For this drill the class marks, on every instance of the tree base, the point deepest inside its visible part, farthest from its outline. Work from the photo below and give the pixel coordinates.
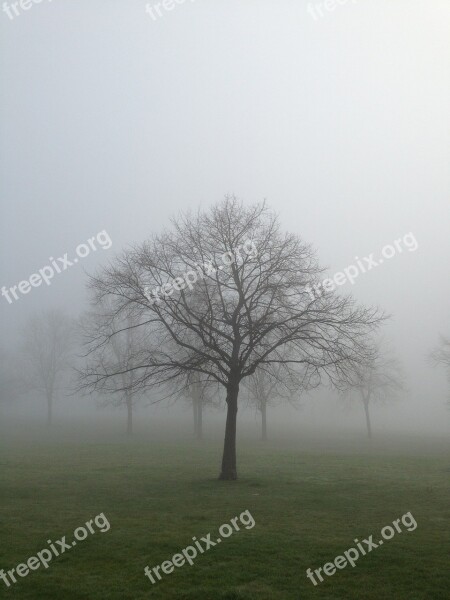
(228, 476)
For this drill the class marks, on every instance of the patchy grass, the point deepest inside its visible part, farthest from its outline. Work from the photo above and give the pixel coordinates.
(308, 509)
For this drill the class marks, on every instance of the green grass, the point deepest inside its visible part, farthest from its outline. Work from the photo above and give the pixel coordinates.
(308, 509)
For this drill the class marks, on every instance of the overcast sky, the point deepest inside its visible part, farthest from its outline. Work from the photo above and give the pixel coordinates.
(114, 120)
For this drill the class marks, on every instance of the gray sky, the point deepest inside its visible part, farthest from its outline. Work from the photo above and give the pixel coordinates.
(112, 120)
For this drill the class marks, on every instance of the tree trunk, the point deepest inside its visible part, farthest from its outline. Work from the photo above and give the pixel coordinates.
(369, 427)
(129, 417)
(197, 403)
(229, 471)
(195, 407)
(49, 409)
(264, 421)
(200, 420)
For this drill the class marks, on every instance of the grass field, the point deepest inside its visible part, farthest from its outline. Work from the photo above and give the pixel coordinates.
(308, 507)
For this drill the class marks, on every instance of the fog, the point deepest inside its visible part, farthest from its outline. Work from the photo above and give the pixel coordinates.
(115, 121)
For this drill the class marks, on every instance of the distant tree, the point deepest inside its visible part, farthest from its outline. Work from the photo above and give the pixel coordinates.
(379, 379)
(268, 386)
(46, 355)
(440, 356)
(252, 299)
(200, 393)
(118, 352)
(199, 390)
(9, 378)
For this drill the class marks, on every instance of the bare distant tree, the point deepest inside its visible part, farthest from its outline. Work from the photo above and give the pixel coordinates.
(267, 386)
(47, 350)
(440, 356)
(201, 394)
(378, 380)
(231, 292)
(118, 354)
(9, 378)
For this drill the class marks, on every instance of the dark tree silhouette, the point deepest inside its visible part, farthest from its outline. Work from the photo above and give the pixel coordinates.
(231, 293)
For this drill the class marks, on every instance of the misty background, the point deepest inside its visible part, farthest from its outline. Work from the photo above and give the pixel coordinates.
(114, 121)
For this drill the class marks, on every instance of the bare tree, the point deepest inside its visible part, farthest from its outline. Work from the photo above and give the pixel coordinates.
(232, 291)
(379, 379)
(200, 393)
(440, 356)
(47, 350)
(118, 354)
(9, 378)
(267, 386)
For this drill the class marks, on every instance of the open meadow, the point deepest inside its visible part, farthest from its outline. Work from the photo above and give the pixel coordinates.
(307, 505)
